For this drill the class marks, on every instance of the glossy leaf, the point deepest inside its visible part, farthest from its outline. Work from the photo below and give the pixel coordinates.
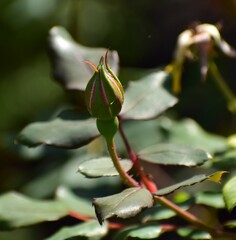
(74, 203)
(17, 210)
(229, 193)
(88, 230)
(174, 154)
(102, 167)
(148, 97)
(189, 182)
(144, 231)
(59, 132)
(68, 59)
(123, 205)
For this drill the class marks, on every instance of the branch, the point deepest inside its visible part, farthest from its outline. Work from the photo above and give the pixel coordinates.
(126, 178)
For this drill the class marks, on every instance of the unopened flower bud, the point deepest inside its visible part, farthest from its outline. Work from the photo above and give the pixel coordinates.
(104, 93)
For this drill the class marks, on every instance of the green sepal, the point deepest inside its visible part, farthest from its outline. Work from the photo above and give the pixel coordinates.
(108, 128)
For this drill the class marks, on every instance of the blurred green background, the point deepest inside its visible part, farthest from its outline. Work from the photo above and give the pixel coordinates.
(144, 32)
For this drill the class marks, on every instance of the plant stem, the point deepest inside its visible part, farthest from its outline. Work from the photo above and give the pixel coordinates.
(226, 91)
(193, 219)
(164, 201)
(184, 214)
(112, 225)
(79, 216)
(150, 185)
(126, 178)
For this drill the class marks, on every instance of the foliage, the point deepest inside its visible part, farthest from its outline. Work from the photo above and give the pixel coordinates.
(149, 143)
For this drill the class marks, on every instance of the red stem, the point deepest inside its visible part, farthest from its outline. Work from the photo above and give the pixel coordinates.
(150, 185)
(112, 225)
(79, 216)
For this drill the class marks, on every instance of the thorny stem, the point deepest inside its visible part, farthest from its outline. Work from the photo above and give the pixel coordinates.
(226, 91)
(126, 178)
(164, 201)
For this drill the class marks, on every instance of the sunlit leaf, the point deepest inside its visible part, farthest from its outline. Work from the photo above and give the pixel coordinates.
(88, 230)
(174, 154)
(230, 224)
(148, 231)
(192, 234)
(229, 193)
(144, 231)
(102, 167)
(212, 199)
(75, 203)
(189, 182)
(232, 141)
(147, 97)
(123, 205)
(68, 59)
(17, 210)
(216, 177)
(60, 132)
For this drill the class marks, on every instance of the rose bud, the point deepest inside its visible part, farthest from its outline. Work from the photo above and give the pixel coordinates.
(104, 92)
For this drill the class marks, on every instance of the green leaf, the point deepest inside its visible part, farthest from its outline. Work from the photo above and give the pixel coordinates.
(102, 167)
(189, 182)
(229, 193)
(147, 97)
(123, 205)
(74, 203)
(88, 230)
(193, 234)
(144, 231)
(67, 58)
(174, 154)
(141, 134)
(65, 174)
(60, 132)
(232, 141)
(188, 131)
(159, 212)
(17, 210)
(230, 224)
(148, 231)
(212, 199)
(225, 161)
